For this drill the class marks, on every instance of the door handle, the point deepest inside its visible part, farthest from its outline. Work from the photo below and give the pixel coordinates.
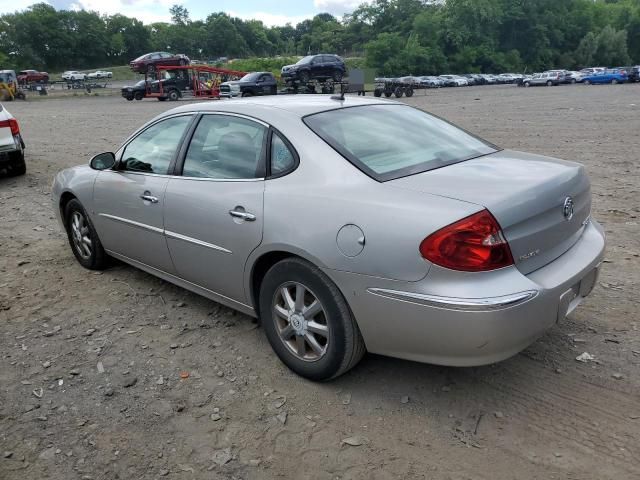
(148, 197)
(249, 217)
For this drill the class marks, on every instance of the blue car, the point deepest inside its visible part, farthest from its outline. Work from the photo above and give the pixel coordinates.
(612, 76)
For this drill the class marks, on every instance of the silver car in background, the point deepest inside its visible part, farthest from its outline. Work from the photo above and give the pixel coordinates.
(345, 225)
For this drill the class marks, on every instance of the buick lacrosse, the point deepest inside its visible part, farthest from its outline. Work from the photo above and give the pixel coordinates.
(345, 226)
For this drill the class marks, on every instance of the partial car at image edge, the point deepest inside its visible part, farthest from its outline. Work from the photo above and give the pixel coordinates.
(11, 145)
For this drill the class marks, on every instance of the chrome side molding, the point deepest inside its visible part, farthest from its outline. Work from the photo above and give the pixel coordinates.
(452, 303)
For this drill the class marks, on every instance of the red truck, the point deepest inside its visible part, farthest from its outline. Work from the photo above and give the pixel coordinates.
(32, 76)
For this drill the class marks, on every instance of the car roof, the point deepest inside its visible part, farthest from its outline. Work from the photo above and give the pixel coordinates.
(298, 105)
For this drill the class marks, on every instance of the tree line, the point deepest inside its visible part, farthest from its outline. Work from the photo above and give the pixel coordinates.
(396, 37)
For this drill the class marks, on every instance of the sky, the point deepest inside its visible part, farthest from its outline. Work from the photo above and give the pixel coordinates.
(271, 12)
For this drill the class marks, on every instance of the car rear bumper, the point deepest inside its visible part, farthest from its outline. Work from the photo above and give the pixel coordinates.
(466, 319)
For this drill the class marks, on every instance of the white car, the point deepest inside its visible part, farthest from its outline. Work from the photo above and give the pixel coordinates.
(11, 145)
(74, 76)
(100, 74)
(459, 81)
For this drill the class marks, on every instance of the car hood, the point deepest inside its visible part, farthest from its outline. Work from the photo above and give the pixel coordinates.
(526, 193)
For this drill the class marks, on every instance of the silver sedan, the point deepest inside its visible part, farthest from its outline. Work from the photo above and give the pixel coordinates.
(345, 225)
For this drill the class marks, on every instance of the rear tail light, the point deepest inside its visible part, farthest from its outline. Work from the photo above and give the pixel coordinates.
(12, 123)
(473, 244)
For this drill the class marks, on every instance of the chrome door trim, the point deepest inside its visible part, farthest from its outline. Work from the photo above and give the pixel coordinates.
(132, 222)
(207, 179)
(185, 238)
(233, 114)
(452, 303)
(133, 172)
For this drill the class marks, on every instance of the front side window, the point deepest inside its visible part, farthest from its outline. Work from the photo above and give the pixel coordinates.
(226, 147)
(392, 141)
(153, 150)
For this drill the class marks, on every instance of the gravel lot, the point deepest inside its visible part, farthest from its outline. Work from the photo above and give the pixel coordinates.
(92, 365)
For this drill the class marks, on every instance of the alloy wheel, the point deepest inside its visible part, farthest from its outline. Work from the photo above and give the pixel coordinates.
(301, 321)
(80, 235)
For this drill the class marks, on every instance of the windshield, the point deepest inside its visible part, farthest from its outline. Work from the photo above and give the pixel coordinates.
(304, 60)
(251, 77)
(393, 141)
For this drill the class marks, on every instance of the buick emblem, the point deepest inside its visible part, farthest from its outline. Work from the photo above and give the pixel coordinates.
(567, 209)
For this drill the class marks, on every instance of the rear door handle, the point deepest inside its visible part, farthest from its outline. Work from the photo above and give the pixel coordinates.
(148, 197)
(249, 217)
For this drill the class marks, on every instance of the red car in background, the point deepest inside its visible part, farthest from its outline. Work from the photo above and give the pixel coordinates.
(147, 63)
(32, 76)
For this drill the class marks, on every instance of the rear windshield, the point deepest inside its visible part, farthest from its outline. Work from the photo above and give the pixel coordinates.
(393, 141)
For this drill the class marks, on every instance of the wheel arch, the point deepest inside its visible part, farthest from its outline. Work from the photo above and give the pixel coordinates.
(260, 263)
(65, 198)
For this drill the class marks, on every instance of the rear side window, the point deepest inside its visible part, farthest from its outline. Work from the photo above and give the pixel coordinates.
(226, 147)
(282, 158)
(392, 141)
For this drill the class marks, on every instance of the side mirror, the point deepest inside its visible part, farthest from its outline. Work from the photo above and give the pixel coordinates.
(103, 161)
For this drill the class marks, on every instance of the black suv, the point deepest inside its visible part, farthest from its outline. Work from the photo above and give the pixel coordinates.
(315, 67)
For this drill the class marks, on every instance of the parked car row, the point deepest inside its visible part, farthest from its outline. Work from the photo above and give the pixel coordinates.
(588, 76)
(76, 76)
(449, 80)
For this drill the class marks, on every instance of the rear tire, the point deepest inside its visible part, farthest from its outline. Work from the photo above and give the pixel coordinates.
(587, 82)
(318, 343)
(247, 94)
(527, 84)
(409, 92)
(83, 238)
(398, 92)
(377, 92)
(388, 93)
(337, 76)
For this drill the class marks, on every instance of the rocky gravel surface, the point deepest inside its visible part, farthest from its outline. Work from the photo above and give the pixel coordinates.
(117, 374)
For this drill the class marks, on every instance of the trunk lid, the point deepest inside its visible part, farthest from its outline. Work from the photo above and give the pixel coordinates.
(526, 193)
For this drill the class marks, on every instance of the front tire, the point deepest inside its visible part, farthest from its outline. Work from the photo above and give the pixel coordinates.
(308, 322)
(549, 83)
(83, 238)
(304, 77)
(614, 82)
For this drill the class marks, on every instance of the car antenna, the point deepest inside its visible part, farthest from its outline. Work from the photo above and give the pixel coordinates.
(341, 96)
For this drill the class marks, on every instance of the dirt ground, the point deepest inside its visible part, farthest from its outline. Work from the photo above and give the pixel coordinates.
(91, 364)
